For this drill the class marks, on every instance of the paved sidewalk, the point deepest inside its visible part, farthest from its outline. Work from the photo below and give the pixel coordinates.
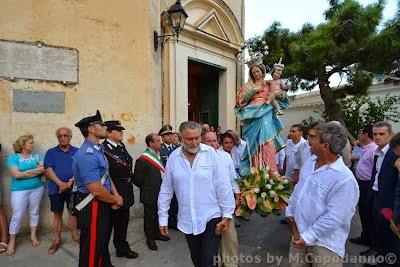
(258, 238)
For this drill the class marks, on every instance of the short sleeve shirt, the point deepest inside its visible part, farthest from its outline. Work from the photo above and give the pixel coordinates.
(89, 165)
(61, 163)
(22, 164)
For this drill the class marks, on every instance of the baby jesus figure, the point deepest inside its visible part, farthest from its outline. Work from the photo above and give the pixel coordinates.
(276, 86)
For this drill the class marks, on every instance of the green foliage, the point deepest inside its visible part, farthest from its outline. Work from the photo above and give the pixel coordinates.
(360, 111)
(306, 122)
(348, 43)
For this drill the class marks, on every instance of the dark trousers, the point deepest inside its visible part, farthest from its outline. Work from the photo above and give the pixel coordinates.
(204, 247)
(173, 213)
(95, 224)
(386, 241)
(365, 205)
(151, 220)
(120, 220)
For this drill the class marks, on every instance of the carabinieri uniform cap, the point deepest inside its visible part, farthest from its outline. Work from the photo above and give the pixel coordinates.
(114, 125)
(165, 130)
(85, 122)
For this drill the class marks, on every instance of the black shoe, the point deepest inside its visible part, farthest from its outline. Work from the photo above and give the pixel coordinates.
(162, 238)
(128, 254)
(173, 227)
(369, 252)
(360, 241)
(237, 223)
(151, 244)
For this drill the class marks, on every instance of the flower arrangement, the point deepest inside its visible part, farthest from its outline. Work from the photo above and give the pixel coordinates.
(262, 193)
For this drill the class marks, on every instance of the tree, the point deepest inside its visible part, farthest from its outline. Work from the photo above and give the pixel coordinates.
(360, 111)
(345, 44)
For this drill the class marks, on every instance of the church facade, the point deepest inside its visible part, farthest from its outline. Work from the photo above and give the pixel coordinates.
(62, 60)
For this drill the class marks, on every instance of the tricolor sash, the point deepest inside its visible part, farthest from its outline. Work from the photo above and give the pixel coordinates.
(154, 160)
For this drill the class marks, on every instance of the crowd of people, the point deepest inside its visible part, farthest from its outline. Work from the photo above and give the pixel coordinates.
(333, 174)
(187, 182)
(94, 183)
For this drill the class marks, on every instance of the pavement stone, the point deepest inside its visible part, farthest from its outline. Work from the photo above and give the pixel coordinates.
(258, 238)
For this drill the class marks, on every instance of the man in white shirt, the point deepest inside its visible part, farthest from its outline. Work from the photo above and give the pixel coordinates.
(323, 202)
(204, 195)
(238, 149)
(292, 146)
(302, 155)
(229, 248)
(280, 160)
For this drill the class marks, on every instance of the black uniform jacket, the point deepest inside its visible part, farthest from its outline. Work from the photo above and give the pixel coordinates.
(121, 175)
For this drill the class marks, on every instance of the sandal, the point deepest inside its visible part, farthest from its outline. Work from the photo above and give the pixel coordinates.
(10, 252)
(53, 248)
(3, 247)
(35, 243)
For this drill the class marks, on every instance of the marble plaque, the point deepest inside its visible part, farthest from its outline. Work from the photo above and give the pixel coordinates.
(38, 101)
(38, 62)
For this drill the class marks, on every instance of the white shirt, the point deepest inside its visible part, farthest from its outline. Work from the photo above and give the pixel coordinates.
(381, 156)
(227, 161)
(202, 190)
(290, 152)
(280, 159)
(303, 153)
(112, 143)
(323, 204)
(237, 152)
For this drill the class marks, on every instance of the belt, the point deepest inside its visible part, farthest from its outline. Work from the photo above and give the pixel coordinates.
(122, 180)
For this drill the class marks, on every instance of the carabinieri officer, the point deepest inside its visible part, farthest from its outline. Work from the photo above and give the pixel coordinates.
(96, 194)
(120, 165)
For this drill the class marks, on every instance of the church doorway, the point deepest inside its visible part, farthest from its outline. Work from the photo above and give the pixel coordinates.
(203, 87)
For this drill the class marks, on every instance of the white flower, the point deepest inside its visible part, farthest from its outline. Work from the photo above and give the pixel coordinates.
(271, 181)
(266, 176)
(272, 193)
(256, 190)
(268, 186)
(263, 42)
(263, 195)
(285, 181)
(280, 187)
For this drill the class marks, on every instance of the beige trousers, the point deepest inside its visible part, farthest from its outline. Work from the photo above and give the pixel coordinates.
(229, 248)
(314, 256)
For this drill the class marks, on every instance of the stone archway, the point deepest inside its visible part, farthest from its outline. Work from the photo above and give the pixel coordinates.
(211, 35)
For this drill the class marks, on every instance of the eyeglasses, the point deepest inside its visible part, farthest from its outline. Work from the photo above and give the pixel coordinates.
(63, 135)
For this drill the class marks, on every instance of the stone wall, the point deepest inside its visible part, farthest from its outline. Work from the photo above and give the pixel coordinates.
(118, 72)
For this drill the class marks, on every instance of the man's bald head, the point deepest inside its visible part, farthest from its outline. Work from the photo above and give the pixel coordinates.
(210, 138)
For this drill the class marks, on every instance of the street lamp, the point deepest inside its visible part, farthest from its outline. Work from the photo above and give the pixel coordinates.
(176, 17)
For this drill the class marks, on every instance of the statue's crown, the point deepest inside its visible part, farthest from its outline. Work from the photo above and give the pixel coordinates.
(255, 60)
(279, 64)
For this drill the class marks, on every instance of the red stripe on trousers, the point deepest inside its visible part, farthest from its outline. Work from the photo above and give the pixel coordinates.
(93, 233)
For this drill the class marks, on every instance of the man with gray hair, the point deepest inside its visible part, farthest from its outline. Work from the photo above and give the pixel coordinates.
(204, 195)
(58, 164)
(229, 249)
(324, 201)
